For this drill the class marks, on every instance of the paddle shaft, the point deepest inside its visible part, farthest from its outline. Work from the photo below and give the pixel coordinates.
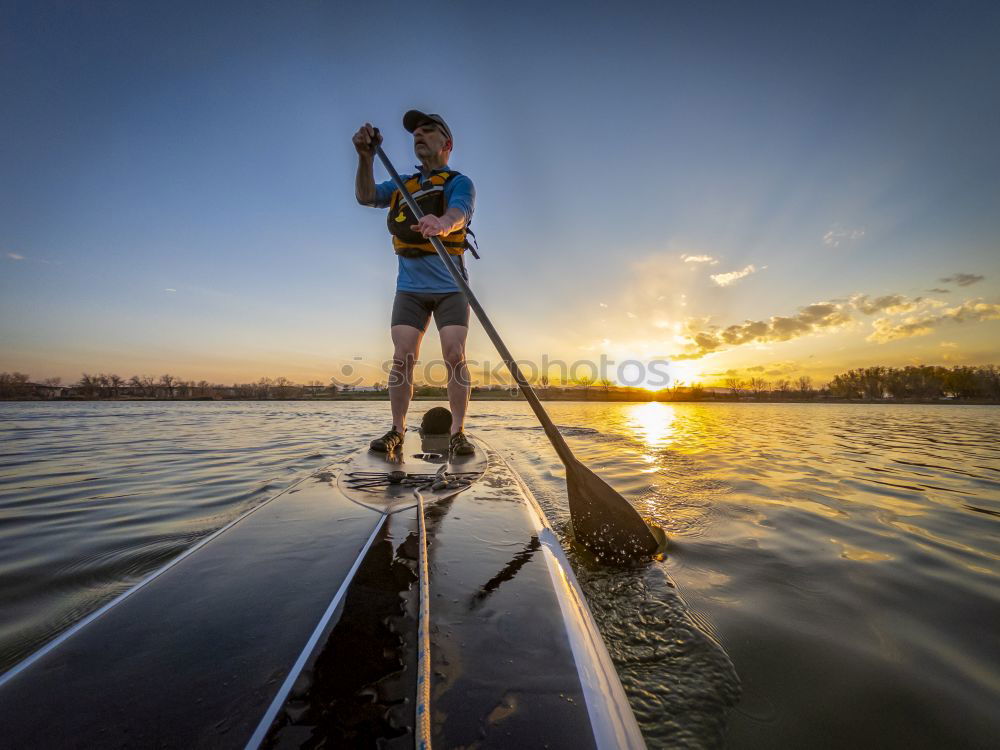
(557, 440)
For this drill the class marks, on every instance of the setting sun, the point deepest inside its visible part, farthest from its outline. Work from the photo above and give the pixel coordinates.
(686, 372)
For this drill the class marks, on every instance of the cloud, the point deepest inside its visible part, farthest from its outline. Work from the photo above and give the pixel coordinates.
(893, 304)
(15, 256)
(939, 290)
(783, 368)
(775, 369)
(902, 317)
(835, 236)
(725, 279)
(886, 330)
(963, 279)
(920, 325)
(809, 319)
(169, 290)
(700, 259)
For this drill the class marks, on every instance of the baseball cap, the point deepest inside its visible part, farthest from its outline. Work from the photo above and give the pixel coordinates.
(415, 118)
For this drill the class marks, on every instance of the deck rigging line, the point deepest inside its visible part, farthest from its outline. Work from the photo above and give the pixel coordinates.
(423, 702)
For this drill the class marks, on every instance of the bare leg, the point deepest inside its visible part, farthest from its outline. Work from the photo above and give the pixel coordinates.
(406, 349)
(453, 350)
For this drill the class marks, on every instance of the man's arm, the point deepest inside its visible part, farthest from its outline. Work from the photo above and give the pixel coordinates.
(461, 196)
(431, 226)
(364, 182)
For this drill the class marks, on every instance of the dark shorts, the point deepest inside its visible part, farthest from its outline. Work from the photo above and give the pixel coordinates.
(415, 308)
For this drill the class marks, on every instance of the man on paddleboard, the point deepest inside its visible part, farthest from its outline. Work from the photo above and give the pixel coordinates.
(423, 284)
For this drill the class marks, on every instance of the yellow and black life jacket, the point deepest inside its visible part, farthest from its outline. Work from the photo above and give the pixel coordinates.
(429, 195)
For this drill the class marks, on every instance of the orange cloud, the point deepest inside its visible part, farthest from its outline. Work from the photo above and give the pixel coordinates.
(704, 338)
(970, 310)
(809, 319)
(892, 304)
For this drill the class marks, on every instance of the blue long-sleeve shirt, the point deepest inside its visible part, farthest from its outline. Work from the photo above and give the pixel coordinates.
(427, 274)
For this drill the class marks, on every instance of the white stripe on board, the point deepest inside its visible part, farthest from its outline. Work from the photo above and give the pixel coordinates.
(81, 624)
(286, 687)
(611, 718)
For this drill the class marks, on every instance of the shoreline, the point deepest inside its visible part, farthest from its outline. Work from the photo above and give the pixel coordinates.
(494, 397)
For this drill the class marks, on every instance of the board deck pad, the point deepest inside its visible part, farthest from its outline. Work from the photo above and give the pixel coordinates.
(420, 457)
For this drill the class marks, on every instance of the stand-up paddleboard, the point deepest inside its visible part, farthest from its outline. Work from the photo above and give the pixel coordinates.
(204, 652)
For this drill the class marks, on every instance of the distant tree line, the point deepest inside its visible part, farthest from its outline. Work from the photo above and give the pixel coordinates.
(918, 382)
(870, 383)
(880, 383)
(170, 386)
(111, 385)
(758, 387)
(15, 384)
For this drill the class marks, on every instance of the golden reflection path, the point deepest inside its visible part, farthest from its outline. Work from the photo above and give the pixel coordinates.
(653, 423)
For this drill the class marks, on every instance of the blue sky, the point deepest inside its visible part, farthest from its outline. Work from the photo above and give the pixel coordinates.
(836, 150)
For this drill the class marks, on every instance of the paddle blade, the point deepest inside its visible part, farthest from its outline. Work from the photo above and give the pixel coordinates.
(604, 521)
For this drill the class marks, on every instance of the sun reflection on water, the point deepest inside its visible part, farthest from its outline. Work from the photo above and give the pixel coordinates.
(653, 423)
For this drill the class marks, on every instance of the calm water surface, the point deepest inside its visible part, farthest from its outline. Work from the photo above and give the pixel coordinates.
(832, 581)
